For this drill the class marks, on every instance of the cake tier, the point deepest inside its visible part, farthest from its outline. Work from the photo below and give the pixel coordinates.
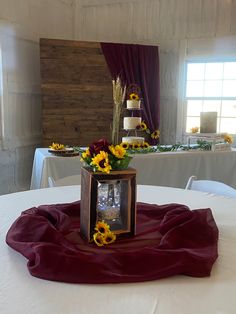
(133, 104)
(133, 140)
(130, 123)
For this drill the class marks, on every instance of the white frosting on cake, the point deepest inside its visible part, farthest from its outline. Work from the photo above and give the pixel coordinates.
(133, 104)
(133, 140)
(130, 123)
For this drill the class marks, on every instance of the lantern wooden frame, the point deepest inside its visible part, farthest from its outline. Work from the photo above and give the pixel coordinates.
(89, 198)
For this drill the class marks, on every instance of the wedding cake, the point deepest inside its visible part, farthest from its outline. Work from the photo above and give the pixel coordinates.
(131, 123)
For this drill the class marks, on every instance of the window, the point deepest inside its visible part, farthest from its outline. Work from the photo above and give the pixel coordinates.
(211, 86)
(1, 97)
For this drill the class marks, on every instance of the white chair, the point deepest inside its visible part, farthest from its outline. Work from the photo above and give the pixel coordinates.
(70, 180)
(213, 187)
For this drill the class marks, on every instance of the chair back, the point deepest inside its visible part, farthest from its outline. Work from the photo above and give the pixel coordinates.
(210, 186)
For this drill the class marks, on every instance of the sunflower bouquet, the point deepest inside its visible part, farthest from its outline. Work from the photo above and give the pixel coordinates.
(154, 135)
(228, 138)
(137, 148)
(103, 235)
(57, 146)
(104, 157)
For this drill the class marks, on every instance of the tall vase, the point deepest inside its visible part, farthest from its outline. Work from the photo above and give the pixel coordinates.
(109, 202)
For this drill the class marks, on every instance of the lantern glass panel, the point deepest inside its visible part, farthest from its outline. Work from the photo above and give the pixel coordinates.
(111, 206)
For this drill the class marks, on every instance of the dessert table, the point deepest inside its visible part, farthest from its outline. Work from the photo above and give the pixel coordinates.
(166, 169)
(23, 293)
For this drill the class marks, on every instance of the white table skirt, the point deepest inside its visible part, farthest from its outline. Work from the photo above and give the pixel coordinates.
(21, 293)
(166, 169)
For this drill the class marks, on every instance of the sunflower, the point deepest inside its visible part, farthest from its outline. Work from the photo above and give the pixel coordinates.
(135, 146)
(57, 146)
(133, 96)
(110, 237)
(117, 151)
(143, 126)
(195, 129)
(98, 239)
(86, 154)
(101, 162)
(228, 138)
(145, 145)
(125, 145)
(155, 134)
(102, 227)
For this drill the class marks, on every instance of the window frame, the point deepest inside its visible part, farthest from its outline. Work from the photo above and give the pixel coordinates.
(182, 134)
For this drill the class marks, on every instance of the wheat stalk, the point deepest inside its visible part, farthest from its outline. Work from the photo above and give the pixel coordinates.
(119, 93)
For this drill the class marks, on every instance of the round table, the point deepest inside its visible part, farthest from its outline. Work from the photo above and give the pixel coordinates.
(22, 293)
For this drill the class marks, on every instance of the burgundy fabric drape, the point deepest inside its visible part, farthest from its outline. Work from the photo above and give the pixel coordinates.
(170, 239)
(138, 64)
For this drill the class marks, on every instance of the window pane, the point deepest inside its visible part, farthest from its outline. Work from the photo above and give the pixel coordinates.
(207, 83)
(195, 71)
(229, 88)
(228, 125)
(191, 123)
(194, 89)
(230, 70)
(194, 107)
(213, 88)
(214, 71)
(228, 108)
(212, 105)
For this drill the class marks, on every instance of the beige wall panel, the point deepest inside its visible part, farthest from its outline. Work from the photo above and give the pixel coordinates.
(233, 17)
(223, 18)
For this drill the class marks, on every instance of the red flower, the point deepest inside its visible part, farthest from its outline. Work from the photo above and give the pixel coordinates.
(101, 145)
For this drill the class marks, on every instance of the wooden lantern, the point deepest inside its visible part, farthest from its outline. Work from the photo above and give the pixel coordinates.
(109, 197)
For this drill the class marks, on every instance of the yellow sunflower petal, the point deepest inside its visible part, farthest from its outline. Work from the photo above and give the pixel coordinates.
(195, 129)
(135, 146)
(109, 238)
(143, 126)
(117, 151)
(228, 139)
(57, 146)
(134, 96)
(102, 227)
(146, 145)
(155, 134)
(101, 162)
(125, 145)
(98, 239)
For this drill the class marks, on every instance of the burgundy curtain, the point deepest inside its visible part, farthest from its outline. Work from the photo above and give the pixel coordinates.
(138, 64)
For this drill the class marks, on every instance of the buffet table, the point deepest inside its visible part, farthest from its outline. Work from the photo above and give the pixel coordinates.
(166, 169)
(22, 293)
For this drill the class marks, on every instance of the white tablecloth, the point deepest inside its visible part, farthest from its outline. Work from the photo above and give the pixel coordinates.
(166, 169)
(22, 294)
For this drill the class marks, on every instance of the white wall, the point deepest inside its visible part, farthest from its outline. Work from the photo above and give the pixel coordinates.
(180, 28)
(22, 23)
(176, 26)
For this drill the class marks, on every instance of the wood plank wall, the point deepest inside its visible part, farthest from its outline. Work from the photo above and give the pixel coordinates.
(76, 92)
